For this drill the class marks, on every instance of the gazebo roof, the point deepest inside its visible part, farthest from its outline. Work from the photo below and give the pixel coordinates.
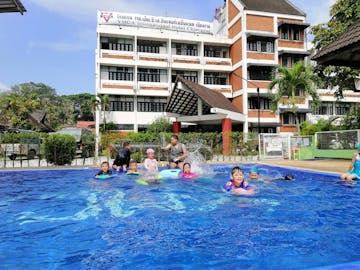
(11, 6)
(343, 51)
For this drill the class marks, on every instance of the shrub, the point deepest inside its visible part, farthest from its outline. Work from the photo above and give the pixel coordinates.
(60, 149)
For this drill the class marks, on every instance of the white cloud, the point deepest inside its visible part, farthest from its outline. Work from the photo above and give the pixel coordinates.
(3, 87)
(79, 42)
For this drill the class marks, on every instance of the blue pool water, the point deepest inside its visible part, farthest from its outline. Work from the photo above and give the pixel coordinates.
(64, 219)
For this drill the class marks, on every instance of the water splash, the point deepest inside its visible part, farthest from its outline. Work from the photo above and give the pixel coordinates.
(198, 161)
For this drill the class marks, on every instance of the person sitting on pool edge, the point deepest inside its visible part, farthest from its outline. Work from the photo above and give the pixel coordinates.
(178, 152)
(105, 170)
(187, 172)
(122, 159)
(133, 169)
(354, 168)
(237, 184)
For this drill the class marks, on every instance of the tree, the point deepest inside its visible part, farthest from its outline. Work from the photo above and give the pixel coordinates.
(82, 104)
(159, 125)
(351, 119)
(343, 14)
(104, 106)
(300, 77)
(21, 100)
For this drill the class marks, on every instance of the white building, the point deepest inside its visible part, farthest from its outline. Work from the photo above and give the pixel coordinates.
(139, 56)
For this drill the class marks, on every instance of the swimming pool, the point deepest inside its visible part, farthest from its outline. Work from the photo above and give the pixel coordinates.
(64, 219)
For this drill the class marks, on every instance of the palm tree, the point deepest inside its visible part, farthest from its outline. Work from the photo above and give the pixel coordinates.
(300, 77)
(105, 106)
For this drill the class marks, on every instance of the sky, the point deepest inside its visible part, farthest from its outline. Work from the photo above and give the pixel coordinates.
(54, 41)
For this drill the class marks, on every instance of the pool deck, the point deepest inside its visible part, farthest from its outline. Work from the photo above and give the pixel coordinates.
(337, 166)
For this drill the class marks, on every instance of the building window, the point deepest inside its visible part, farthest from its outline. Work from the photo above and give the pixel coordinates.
(215, 51)
(260, 73)
(117, 73)
(289, 118)
(325, 108)
(286, 61)
(150, 46)
(299, 92)
(122, 104)
(342, 108)
(216, 78)
(264, 45)
(151, 75)
(296, 34)
(284, 33)
(186, 49)
(265, 103)
(188, 75)
(151, 104)
(117, 44)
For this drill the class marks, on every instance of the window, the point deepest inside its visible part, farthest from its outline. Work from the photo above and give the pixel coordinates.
(284, 33)
(325, 108)
(151, 104)
(342, 108)
(264, 103)
(296, 34)
(118, 44)
(260, 73)
(122, 104)
(216, 51)
(286, 61)
(289, 118)
(216, 78)
(188, 75)
(150, 75)
(120, 73)
(186, 49)
(299, 92)
(266, 46)
(149, 46)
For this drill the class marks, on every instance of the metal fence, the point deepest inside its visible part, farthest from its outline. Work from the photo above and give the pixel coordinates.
(337, 140)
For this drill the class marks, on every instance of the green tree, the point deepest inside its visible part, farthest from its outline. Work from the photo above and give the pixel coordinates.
(83, 106)
(159, 125)
(300, 77)
(351, 119)
(343, 13)
(105, 106)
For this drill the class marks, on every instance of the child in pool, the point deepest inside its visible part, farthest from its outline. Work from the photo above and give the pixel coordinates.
(187, 172)
(237, 184)
(254, 173)
(133, 169)
(105, 170)
(354, 168)
(150, 162)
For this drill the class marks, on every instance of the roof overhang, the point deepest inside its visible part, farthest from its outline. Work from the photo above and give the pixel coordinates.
(261, 64)
(346, 56)
(265, 124)
(11, 6)
(300, 25)
(261, 34)
(305, 53)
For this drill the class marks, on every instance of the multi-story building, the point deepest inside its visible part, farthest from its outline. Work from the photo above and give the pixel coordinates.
(138, 58)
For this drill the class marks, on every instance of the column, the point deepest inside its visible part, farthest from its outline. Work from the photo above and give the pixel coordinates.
(176, 127)
(226, 130)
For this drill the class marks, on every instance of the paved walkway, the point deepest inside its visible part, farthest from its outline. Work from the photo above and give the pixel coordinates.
(326, 165)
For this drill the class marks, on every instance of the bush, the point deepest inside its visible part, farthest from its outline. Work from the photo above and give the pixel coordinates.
(60, 149)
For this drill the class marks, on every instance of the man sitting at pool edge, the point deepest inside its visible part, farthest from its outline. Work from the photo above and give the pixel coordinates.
(178, 152)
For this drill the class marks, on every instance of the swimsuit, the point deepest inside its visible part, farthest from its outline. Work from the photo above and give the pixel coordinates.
(356, 169)
(230, 186)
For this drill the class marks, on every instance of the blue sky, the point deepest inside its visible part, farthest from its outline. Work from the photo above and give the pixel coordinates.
(54, 41)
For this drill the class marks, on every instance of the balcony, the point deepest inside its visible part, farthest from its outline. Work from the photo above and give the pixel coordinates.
(112, 87)
(153, 59)
(153, 88)
(217, 63)
(185, 61)
(117, 57)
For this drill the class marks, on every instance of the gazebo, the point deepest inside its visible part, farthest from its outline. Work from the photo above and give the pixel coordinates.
(193, 103)
(12, 6)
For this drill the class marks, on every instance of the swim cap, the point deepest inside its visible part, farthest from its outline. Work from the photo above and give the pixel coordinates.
(254, 169)
(358, 146)
(150, 151)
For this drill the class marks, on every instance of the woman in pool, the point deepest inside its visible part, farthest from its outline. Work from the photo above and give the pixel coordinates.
(105, 170)
(354, 168)
(237, 184)
(187, 172)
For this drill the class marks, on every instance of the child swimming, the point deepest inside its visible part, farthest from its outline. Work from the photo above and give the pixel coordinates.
(254, 173)
(237, 185)
(354, 168)
(133, 169)
(150, 162)
(187, 172)
(105, 170)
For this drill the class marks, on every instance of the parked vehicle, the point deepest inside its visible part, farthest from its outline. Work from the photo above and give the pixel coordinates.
(84, 140)
(29, 148)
